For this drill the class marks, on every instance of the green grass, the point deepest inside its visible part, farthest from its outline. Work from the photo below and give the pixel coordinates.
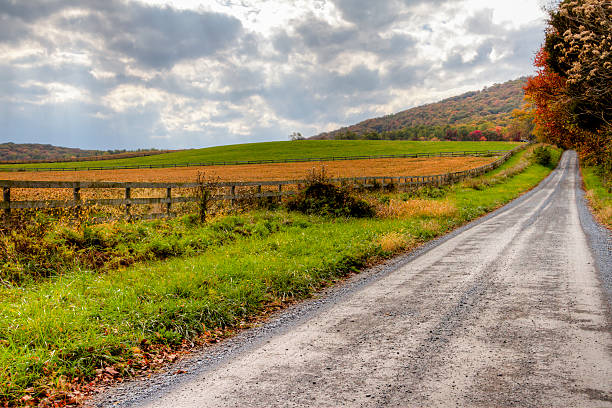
(80, 321)
(286, 150)
(511, 162)
(40, 248)
(598, 195)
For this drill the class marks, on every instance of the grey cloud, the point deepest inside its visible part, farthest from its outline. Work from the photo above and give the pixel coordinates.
(243, 78)
(517, 46)
(454, 61)
(314, 96)
(523, 44)
(79, 76)
(481, 22)
(401, 75)
(330, 43)
(318, 34)
(12, 30)
(370, 14)
(283, 43)
(359, 79)
(159, 37)
(30, 10)
(156, 37)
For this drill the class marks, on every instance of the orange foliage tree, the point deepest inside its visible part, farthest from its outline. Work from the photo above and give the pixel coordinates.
(572, 91)
(545, 92)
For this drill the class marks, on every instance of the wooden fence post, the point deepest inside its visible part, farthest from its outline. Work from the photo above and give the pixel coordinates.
(128, 205)
(233, 194)
(6, 195)
(169, 203)
(280, 193)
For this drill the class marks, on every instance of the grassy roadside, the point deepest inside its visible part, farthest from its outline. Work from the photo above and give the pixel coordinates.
(598, 195)
(287, 150)
(59, 334)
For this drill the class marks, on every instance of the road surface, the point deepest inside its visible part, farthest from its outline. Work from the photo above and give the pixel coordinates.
(510, 311)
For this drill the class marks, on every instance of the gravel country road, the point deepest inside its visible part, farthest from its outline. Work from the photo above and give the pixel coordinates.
(511, 310)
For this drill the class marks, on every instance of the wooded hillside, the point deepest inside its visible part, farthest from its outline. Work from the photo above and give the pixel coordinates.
(40, 153)
(469, 116)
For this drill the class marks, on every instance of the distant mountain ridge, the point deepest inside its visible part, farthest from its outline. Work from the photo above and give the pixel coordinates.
(15, 153)
(488, 108)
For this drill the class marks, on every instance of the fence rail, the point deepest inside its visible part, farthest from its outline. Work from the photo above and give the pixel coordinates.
(230, 193)
(485, 153)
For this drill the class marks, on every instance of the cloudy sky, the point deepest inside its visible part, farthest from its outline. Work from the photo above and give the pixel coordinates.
(174, 74)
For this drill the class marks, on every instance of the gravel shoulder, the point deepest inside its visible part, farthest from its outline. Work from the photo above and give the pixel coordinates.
(510, 310)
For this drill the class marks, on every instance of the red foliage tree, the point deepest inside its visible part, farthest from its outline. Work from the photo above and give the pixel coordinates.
(475, 135)
(545, 92)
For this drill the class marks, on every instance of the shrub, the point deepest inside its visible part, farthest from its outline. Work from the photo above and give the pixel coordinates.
(322, 198)
(542, 156)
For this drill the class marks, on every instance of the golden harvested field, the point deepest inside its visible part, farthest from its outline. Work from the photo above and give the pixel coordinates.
(255, 172)
(276, 171)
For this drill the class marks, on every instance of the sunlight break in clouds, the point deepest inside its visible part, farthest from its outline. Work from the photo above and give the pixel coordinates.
(155, 73)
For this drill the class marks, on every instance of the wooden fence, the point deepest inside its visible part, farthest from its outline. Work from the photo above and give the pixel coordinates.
(485, 153)
(229, 190)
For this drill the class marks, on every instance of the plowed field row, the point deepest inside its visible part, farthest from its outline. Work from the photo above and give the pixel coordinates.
(256, 172)
(277, 171)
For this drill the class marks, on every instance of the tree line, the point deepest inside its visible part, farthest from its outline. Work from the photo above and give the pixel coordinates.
(571, 94)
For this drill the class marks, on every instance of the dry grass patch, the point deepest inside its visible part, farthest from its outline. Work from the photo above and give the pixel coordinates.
(431, 225)
(394, 241)
(601, 211)
(416, 208)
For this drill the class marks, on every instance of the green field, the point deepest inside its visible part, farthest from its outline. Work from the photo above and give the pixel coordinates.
(216, 276)
(286, 150)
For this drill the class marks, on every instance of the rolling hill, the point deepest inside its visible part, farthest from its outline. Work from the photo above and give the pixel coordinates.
(488, 111)
(18, 153)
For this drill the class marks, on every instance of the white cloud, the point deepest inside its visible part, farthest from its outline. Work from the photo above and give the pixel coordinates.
(185, 73)
(126, 97)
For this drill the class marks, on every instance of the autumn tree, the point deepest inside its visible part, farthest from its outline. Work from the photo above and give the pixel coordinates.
(572, 91)
(579, 49)
(475, 135)
(545, 92)
(522, 125)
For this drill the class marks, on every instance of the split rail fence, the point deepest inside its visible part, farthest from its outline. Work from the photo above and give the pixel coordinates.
(229, 190)
(483, 153)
